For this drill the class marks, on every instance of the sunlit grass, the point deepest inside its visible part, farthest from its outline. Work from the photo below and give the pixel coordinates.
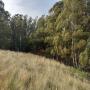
(20, 71)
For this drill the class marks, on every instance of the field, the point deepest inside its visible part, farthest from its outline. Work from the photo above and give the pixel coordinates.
(21, 71)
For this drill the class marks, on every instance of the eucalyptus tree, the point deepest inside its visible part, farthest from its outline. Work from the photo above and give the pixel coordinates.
(21, 27)
(5, 31)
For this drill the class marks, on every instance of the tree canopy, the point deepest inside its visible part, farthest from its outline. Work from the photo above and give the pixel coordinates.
(63, 34)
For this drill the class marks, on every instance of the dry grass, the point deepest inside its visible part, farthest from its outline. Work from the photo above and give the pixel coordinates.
(20, 71)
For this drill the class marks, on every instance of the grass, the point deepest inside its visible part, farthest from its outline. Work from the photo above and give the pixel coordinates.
(21, 71)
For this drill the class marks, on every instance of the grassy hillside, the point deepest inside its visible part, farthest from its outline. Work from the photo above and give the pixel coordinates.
(20, 71)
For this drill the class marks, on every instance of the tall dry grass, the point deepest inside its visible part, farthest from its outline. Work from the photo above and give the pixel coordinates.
(20, 71)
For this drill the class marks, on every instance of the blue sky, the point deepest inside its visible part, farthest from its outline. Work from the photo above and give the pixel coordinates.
(30, 7)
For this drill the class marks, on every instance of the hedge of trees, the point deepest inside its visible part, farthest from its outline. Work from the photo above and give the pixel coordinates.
(64, 34)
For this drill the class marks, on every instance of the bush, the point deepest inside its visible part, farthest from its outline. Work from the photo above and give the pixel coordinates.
(84, 58)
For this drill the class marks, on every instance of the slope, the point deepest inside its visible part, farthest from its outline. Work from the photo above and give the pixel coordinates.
(21, 71)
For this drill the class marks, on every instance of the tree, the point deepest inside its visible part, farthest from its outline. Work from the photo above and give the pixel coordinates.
(5, 30)
(21, 29)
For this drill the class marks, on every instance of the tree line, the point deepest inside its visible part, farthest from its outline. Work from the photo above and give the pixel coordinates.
(64, 34)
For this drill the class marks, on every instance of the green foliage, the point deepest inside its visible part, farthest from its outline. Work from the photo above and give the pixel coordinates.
(5, 31)
(63, 34)
(84, 58)
(21, 29)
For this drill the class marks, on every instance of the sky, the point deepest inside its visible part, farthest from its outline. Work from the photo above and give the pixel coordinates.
(31, 8)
